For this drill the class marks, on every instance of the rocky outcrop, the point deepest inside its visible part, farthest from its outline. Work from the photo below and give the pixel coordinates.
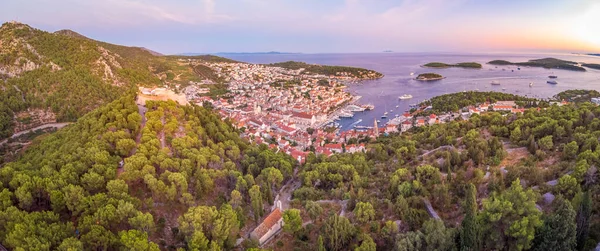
(33, 118)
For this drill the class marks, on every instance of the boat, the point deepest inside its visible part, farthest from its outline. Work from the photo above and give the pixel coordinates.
(504, 89)
(356, 122)
(368, 107)
(397, 106)
(552, 82)
(553, 76)
(383, 116)
(495, 82)
(378, 121)
(412, 73)
(530, 84)
(344, 114)
(413, 105)
(406, 96)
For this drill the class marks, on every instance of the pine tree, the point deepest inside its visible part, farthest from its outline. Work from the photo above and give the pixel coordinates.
(559, 230)
(583, 220)
(469, 229)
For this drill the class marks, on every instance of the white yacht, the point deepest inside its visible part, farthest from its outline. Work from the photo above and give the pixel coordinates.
(406, 96)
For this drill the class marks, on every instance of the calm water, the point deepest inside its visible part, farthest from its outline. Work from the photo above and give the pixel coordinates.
(383, 93)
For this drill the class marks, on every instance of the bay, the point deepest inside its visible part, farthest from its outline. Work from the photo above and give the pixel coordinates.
(397, 67)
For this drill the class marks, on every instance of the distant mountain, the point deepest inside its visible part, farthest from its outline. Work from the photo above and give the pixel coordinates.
(241, 53)
(56, 77)
(598, 55)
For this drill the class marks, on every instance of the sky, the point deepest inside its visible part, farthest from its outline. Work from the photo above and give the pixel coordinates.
(322, 26)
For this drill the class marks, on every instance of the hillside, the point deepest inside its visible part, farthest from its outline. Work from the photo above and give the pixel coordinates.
(57, 77)
(184, 171)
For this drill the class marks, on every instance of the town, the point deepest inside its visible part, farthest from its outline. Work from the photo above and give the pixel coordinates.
(295, 111)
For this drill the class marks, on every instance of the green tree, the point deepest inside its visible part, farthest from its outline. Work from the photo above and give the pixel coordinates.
(292, 222)
(313, 209)
(320, 244)
(469, 229)
(256, 201)
(567, 186)
(367, 244)
(510, 219)
(142, 222)
(125, 146)
(559, 230)
(515, 135)
(437, 237)
(411, 241)
(364, 212)
(137, 241)
(70, 244)
(570, 150)
(546, 143)
(583, 220)
(338, 232)
(198, 242)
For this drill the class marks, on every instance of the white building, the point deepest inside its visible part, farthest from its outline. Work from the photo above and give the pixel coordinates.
(270, 226)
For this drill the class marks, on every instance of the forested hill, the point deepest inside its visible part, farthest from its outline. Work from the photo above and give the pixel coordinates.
(56, 77)
(187, 181)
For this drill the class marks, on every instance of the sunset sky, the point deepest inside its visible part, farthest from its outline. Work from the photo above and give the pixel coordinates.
(322, 26)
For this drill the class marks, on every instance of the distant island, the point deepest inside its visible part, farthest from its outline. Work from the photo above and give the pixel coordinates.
(429, 77)
(548, 63)
(239, 53)
(597, 55)
(355, 72)
(592, 66)
(461, 65)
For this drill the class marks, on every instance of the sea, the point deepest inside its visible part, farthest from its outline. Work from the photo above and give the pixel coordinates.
(397, 67)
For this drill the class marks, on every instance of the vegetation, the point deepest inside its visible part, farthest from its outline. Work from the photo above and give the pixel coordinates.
(429, 76)
(329, 70)
(453, 102)
(548, 63)
(577, 96)
(461, 65)
(70, 185)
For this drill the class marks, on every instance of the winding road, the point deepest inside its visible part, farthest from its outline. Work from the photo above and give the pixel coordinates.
(51, 125)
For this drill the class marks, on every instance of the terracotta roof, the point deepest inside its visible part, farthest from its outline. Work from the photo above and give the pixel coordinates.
(333, 146)
(432, 116)
(268, 223)
(303, 115)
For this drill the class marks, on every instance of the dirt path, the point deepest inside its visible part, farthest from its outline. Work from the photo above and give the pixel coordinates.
(430, 209)
(142, 111)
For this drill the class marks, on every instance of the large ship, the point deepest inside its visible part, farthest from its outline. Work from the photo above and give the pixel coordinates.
(406, 96)
(552, 82)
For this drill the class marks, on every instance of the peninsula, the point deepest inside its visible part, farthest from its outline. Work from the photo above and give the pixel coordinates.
(429, 77)
(548, 63)
(471, 65)
(313, 69)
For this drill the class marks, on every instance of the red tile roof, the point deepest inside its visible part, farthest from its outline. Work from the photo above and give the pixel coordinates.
(268, 223)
